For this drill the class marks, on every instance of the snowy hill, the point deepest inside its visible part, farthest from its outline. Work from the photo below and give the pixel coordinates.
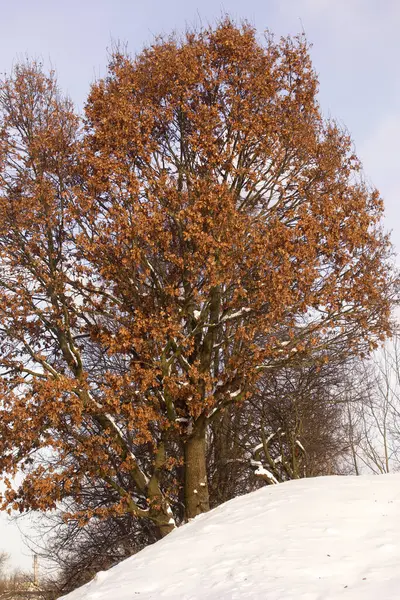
(314, 539)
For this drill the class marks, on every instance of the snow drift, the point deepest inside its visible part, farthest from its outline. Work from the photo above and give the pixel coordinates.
(312, 539)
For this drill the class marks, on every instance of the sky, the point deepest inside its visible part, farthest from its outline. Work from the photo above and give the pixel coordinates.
(355, 51)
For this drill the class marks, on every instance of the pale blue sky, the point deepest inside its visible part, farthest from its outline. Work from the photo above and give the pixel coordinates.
(356, 51)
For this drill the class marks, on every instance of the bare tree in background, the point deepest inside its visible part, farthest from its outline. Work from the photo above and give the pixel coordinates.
(374, 419)
(14, 583)
(74, 554)
(294, 426)
(3, 562)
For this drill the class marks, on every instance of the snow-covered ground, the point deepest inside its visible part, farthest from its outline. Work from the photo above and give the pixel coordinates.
(316, 539)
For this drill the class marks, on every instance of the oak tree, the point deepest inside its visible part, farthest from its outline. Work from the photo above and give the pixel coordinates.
(205, 225)
(230, 220)
(56, 426)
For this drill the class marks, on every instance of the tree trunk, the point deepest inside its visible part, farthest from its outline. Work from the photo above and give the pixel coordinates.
(196, 485)
(160, 510)
(165, 524)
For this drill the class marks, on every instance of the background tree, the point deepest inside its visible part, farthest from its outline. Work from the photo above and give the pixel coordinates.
(206, 227)
(373, 421)
(71, 555)
(13, 582)
(293, 426)
(300, 423)
(3, 562)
